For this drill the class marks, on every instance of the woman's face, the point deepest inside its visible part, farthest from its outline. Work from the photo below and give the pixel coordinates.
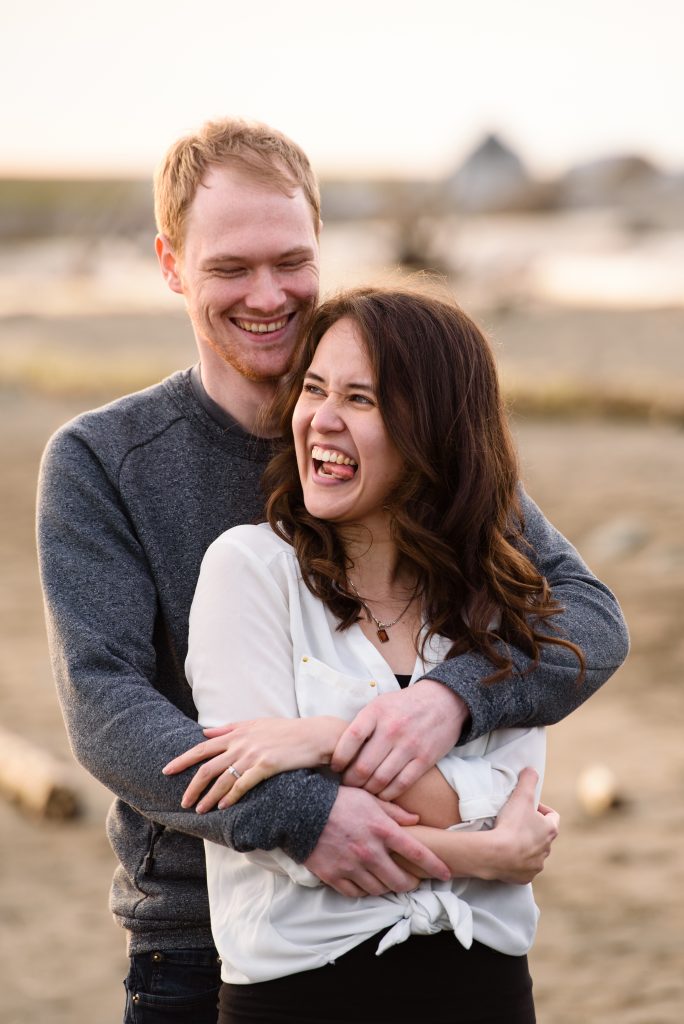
(347, 462)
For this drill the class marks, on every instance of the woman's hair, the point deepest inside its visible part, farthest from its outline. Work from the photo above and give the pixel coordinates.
(455, 513)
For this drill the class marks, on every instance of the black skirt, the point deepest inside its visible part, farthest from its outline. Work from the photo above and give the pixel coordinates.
(429, 979)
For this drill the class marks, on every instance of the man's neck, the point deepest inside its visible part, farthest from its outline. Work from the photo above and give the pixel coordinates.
(246, 401)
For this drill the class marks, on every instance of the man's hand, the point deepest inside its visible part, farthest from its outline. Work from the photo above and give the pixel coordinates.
(523, 833)
(396, 738)
(354, 852)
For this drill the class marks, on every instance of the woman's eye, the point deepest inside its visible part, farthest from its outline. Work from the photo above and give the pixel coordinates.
(312, 389)
(360, 399)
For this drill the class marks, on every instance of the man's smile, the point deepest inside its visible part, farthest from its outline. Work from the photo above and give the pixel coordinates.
(260, 327)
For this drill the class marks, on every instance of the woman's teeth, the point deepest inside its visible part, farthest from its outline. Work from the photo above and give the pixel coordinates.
(327, 455)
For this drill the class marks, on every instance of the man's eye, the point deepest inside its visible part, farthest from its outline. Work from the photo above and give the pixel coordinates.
(293, 264)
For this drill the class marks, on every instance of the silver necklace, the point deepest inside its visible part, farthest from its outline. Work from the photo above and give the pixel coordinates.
(381, 627)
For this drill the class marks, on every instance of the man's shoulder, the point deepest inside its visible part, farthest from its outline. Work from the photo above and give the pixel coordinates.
(131, 421)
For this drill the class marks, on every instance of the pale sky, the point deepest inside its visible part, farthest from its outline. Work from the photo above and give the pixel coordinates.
(394, 86)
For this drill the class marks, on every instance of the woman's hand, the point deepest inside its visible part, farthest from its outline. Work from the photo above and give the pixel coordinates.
(523, 833)
(256, 750)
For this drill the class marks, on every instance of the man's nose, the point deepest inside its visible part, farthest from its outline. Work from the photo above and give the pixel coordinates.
(265, 293)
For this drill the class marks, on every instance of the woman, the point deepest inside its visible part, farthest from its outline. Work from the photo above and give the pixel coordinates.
(393, 542)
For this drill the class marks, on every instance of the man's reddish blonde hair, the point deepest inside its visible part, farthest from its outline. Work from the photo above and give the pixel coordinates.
(255, 149)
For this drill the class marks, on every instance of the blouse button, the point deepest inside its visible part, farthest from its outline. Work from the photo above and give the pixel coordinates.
(372, 683)
(304, 658)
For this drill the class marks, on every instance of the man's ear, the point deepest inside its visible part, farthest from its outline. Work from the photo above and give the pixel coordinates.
(169, 263)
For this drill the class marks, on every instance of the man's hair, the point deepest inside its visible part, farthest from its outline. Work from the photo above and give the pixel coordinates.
(261, 153)
(455, 512)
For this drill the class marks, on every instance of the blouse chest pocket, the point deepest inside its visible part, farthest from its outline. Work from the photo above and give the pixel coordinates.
(322, 690)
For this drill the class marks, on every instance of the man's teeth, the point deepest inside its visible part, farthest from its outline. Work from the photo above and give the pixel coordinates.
(261, 328)
(326, 455)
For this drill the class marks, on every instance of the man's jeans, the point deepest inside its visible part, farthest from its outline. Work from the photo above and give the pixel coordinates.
(175, 985)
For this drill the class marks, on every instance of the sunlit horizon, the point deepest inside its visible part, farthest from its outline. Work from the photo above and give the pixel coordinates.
(367, 89)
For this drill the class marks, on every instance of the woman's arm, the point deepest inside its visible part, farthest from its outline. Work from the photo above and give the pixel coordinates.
(257, 749)
(513, 851)
(263, 747)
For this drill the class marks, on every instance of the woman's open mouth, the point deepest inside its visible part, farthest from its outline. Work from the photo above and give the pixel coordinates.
(333, 464)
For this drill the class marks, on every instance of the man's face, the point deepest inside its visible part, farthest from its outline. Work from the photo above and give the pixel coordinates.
(248, 271)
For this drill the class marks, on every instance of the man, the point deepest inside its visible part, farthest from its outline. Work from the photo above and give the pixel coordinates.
(130, 497)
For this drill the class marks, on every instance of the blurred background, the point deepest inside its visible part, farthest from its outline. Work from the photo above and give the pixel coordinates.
(530, 153)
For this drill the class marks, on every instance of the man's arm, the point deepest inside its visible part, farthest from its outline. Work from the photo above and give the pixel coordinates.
(549, 692)
(101, 609)
(394, 740)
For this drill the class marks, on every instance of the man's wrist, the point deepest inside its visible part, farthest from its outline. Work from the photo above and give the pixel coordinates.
(456, 708)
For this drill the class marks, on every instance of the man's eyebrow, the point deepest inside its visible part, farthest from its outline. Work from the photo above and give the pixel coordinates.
(227, 257)
(351, 384)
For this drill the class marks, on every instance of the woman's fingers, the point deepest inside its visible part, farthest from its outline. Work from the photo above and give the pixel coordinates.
(233, 784)
(200, 752)
(248, 780)
(204, 775)
(219, 730)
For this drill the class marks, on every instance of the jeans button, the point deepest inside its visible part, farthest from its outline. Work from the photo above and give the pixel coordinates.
(156, 957)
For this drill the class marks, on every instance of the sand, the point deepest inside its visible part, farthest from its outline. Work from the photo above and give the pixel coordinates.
(610, 943)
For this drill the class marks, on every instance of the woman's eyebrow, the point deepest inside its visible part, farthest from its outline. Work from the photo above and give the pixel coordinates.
(350, 384)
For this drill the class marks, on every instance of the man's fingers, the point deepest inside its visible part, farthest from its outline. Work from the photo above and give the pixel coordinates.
(398, 814)
(346, 887)
(416, 853)
(376, 755)
(381, 767)
(403, 780)
(350, 743)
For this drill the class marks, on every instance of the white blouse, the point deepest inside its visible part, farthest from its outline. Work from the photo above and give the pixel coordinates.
(262, 645)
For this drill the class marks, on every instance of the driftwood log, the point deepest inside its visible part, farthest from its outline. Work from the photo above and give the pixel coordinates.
(35, 780)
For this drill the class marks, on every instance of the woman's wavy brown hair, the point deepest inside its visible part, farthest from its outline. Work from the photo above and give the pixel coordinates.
(455, 514)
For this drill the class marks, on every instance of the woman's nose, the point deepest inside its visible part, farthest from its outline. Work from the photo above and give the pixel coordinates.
(327, 416)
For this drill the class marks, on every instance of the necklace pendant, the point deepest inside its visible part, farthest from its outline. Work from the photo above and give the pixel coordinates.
(383, 635)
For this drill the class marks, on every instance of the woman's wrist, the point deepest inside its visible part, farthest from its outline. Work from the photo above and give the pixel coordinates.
(325, 733)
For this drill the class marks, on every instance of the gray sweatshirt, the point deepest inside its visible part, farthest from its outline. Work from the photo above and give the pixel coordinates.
(130, 496)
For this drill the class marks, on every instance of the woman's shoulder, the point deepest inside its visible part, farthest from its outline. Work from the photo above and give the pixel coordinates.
(259, 541)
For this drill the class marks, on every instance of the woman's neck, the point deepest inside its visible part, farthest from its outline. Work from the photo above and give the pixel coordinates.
(373, 563)
(391, 618)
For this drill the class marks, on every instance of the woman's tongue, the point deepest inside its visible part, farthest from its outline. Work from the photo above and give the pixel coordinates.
(341, 472)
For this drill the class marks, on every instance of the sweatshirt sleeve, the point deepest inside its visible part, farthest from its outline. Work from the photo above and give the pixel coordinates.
(547, 693)
(101, 610)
